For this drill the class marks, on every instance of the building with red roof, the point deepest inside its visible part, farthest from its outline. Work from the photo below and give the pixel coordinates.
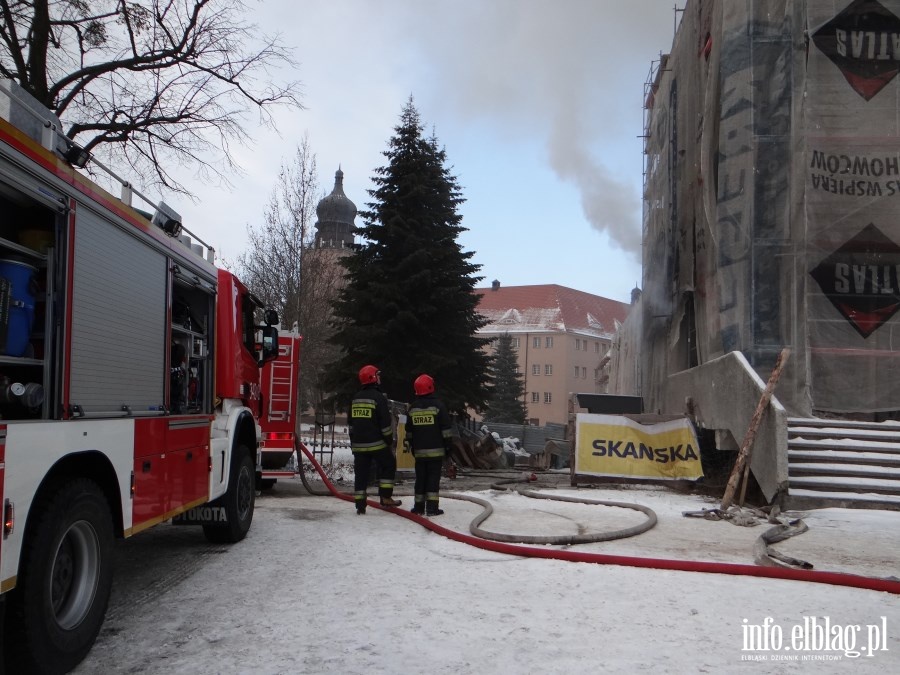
(561, 335)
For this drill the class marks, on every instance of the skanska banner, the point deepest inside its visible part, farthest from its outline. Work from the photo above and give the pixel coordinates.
(615, 446)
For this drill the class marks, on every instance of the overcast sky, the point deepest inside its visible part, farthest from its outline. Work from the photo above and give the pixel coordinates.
(538, 104)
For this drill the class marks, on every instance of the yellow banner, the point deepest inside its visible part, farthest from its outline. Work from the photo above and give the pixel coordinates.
(405, 459)
(610, 445)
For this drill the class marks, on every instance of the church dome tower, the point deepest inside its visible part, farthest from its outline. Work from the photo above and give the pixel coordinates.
(335, 213)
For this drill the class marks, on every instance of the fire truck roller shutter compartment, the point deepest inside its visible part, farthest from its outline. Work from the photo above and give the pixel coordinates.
(118, 321)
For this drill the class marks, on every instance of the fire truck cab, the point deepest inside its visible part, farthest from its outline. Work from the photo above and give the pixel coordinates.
(129, 386)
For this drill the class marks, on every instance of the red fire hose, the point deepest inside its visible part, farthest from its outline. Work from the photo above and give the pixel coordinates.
(816, 576)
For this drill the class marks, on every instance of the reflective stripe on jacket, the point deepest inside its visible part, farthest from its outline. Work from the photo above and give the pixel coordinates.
(370, 421)
(428, 427)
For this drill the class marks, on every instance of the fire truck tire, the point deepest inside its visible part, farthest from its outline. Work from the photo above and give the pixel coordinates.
(238, 501)
(60, 599)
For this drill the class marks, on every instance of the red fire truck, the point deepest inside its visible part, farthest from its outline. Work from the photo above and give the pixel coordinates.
(129, 386)
(279, 415)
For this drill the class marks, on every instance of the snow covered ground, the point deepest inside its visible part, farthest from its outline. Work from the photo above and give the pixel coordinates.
(316, 589)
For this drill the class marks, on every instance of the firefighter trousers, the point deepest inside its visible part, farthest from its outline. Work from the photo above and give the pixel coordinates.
(386, 465)
(428, 480)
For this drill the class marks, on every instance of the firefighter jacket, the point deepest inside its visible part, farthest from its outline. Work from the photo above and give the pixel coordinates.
(370, 421)
(428, 427)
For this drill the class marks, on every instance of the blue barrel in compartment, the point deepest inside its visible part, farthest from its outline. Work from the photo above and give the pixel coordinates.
(21, 305)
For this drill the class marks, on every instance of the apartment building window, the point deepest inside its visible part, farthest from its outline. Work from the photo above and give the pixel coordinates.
(584, 372)
(515, 343)
(576, 371)
(596, 347)
(548, 369)
(535, 397)
(535, 369)
(518, 370)
(548, 397)
(536, 343)
(549, 342)
(577, 344)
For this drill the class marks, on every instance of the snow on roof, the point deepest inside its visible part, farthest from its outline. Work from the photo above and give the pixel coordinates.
(548, 307)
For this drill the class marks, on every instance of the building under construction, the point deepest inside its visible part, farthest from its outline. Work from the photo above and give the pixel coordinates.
(772, 217)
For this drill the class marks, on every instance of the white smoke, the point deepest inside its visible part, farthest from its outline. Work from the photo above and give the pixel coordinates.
(570, 71)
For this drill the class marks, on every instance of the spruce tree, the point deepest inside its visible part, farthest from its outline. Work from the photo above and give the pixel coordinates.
(505, 404)
(409, 306)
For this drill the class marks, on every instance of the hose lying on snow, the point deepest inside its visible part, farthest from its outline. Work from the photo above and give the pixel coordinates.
(762, 553)
(564, 540)
(833, 578)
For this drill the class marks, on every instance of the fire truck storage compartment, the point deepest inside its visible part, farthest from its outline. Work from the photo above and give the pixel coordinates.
(191, 375)
(118, 320)
(17, 304)
(29, 221)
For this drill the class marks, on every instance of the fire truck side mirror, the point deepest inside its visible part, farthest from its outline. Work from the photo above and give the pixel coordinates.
(269, 344)
(271, 317)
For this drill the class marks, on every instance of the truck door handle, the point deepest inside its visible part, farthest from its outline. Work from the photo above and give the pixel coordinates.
(145, 467)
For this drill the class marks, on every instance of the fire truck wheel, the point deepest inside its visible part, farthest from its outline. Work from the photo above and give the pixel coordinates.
(238, 501)
(61, 595)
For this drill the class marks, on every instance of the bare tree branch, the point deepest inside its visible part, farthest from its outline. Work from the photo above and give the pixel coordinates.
(153, 84)
(282, 266)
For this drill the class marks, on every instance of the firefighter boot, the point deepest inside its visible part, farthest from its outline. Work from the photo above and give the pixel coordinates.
(431, 508)
(360, 506)
(419, 507)
(390, 502)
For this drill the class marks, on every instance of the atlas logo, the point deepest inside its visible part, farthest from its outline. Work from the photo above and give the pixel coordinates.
(863, 41)
(862, 279)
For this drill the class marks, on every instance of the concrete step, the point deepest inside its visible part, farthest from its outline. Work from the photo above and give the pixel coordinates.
(819, 423)
(850, 435)
(844, 432)
(846, 484)
(806, 469)
(820, 499)
(844, 445)
(802, 456)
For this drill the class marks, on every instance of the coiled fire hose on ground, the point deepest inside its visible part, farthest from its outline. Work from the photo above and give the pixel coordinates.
(560, 540)
(815, 576)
